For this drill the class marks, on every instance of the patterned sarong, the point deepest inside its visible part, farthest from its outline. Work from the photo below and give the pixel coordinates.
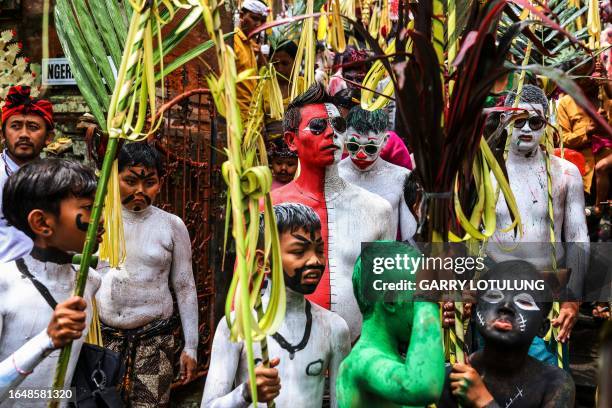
(148, 355)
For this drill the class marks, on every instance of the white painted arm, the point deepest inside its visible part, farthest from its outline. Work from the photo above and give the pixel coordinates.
(341, 347)
(408, 224)
(383, 217)
(222, 372)
(575, 230)
(183, 283)
(26, 358)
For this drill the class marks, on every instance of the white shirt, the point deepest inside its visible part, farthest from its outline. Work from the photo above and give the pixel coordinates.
(14, 243)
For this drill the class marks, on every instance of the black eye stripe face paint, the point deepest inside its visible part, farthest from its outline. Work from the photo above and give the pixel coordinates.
(142, 175)
(83, 226)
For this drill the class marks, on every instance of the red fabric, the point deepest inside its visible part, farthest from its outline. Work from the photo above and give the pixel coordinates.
(573, 157)
(396, 152)
(19, 102)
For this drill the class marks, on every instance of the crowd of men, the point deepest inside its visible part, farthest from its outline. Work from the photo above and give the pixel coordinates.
(336, 345)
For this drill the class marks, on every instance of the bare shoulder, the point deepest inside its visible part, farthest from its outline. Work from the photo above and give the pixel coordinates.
(334, 321)
(8, 274)
(394, 171)
(565, 168)
(561, 390)
(362, 198)
(94, 279)
(165, 216)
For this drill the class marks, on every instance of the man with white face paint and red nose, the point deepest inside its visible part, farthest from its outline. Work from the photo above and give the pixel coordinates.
(365, 138)
(528, 177)
(350, 215)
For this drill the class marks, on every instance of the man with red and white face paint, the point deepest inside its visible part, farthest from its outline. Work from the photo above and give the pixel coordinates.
(350, 215)
(365, 139)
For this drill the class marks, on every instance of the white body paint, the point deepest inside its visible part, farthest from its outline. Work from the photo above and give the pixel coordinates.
(386, 180)
(137, 293)
(25, 315)
(354, 216)
(528, 180)
(26, 358)
(327, 346)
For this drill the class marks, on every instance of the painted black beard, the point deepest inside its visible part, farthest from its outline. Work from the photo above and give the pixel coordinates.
(295, 282)
(131, 198)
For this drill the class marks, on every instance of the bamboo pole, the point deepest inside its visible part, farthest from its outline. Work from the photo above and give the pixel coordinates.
(88, 249)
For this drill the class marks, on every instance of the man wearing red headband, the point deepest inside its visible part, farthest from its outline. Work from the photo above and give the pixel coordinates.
(27, 125)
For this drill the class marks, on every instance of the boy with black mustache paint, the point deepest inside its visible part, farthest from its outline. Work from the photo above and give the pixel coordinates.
(310, 342)
(134, 299)
(50, 201)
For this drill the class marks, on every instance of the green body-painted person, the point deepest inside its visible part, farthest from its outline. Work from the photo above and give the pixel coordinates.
(375, 374)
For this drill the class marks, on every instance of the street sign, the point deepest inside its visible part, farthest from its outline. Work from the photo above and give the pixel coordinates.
(56, 71)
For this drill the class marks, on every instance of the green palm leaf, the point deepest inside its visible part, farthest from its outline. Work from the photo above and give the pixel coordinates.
(91, 31)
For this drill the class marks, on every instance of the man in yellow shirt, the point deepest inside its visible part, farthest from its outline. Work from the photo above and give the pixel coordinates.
(580, 132)
(252, 15)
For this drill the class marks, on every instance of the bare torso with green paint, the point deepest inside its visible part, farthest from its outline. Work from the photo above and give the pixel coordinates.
(376, 375)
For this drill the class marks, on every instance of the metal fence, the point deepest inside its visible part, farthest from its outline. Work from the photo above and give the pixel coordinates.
(193, 189)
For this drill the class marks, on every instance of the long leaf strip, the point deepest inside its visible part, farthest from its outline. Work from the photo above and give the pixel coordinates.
(248, 179)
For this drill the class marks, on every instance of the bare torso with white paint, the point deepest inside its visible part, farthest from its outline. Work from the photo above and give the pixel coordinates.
(24, 314)
(386, 180)
(138, 292)
(354, 216)
(528, 181)
(302, 378)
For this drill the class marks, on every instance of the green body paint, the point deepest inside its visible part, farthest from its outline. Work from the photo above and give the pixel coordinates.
(375, 374)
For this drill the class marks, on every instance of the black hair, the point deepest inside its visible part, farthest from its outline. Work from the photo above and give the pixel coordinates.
(316, 94)
(530, 94)
(288, 47)
(278, 148)
(289, 218)
(345, 98)
(364, 121)
(43, 184)
(363, 277)
(141, 153)
(411, 190)
(320, 46)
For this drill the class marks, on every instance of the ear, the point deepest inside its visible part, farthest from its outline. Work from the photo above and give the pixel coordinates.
(260, 258)
(290, 137)
(390, 307)
(41, 223)
(384, 140)
(49, 138)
